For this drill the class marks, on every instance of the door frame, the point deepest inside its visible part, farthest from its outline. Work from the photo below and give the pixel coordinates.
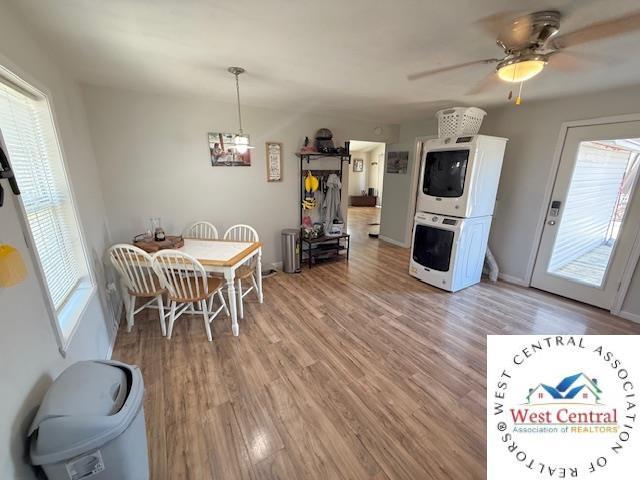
(415, 186)
(634, 256)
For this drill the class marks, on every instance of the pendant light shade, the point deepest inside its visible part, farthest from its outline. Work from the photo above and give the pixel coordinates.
(12, 267)
(241, 141)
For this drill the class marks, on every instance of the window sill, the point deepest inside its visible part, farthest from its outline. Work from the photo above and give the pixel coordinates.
(70, 314)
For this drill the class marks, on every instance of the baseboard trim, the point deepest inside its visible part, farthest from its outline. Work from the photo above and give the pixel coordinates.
(276, 266)
(514, 280)
(392, 241)
(634, 317)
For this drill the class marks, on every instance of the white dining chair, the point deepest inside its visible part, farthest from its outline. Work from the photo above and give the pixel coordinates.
(140, 281)
(244, 233)
(201, 231)
(188, 286)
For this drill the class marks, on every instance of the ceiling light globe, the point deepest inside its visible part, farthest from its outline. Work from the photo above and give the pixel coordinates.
(521, 71)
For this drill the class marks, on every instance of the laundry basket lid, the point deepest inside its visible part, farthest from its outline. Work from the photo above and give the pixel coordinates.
(89, 404)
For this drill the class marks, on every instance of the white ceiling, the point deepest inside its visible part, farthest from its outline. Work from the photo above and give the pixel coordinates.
(332, 56)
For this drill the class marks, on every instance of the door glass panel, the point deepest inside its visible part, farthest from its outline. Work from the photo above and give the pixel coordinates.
(432, 247)
(444, 173)
(601, 186)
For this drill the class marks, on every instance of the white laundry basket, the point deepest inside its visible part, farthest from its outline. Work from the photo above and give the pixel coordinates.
(459, 121)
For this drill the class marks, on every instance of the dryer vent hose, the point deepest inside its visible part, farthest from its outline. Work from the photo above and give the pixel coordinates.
(492, 265)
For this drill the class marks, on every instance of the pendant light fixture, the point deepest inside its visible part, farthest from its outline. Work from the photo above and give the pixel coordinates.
(241, 141)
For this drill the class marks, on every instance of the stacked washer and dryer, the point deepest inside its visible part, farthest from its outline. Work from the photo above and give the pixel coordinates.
(458, 183)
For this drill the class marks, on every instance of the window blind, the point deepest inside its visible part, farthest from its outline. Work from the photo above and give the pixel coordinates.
(32, 145)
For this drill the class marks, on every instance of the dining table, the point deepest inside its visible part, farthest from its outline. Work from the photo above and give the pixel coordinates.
(225, 256)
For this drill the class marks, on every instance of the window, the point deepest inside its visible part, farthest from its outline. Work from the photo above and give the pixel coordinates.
(541, 395)
(29, 134)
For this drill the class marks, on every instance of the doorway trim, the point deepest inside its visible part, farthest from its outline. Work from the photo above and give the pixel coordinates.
(634, 256)
(415, 185)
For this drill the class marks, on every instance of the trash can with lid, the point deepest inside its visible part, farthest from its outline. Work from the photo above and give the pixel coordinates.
(91, 424)
(290, 252)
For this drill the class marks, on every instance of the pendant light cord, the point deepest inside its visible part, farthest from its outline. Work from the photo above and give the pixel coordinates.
(238, 96)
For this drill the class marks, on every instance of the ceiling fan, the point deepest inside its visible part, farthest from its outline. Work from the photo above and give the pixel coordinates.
(530, 40)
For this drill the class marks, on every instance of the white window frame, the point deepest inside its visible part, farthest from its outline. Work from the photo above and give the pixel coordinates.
(76, 303)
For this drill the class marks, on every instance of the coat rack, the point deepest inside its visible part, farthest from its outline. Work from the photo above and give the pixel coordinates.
(318, 247)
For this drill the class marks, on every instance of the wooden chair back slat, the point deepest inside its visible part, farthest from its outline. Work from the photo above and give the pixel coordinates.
(241, 233)
(183, 276)
(134, 264)
(201, 231)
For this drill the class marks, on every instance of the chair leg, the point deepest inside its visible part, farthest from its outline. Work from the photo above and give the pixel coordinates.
(223, 301)
(163, 325)
(131, 304)
(172, 319)
(240, 307)
(255, 286)
(205, 314)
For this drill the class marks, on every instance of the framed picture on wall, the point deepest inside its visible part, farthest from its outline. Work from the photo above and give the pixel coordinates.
(397, 162)
(358, 165)
(274, 161)
(222, 151)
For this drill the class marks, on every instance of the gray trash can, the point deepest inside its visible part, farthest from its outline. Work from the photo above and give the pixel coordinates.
(290, 252)
(91, 424)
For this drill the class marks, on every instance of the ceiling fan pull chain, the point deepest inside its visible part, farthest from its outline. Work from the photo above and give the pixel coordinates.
(519, 97)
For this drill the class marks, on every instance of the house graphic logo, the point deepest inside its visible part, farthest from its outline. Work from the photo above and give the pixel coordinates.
(574, 389)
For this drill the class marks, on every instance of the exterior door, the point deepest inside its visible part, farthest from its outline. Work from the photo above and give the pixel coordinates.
(594, 214)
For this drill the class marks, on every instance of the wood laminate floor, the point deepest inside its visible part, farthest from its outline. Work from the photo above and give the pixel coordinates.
(349, 370)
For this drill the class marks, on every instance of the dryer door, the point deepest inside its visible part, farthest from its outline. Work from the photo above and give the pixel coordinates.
(432, 247)
(444, 173)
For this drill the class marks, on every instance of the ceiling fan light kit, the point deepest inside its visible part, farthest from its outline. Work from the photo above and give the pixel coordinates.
(521, 68)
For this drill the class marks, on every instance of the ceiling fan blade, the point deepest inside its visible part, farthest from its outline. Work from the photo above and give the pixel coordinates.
(563, 61)
(426, 73)
(600, 31)
(571, 61)
(489, 82)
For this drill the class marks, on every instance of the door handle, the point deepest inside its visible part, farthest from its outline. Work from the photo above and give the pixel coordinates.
(551, 222)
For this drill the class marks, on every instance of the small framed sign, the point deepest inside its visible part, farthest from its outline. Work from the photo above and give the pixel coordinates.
(274, 161)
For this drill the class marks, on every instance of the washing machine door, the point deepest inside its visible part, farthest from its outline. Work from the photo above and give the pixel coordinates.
(445, 173)
(432, 247)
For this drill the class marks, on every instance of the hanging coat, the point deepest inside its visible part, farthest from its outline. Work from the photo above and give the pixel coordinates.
(331, 209)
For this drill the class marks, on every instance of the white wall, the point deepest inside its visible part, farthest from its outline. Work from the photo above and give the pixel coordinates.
(396, 219)
(154, 161)
(30, 358)
(358, 181)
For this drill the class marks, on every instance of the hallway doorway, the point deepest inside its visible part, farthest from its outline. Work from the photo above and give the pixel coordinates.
(366, 173)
